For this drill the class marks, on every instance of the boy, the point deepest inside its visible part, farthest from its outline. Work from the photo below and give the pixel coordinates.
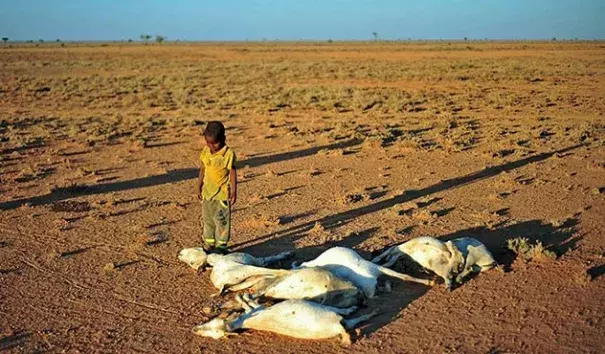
(216, 187)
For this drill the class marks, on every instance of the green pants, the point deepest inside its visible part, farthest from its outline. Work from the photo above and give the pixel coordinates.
(216, 221)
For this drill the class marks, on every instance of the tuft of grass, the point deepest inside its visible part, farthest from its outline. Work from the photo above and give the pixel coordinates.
(529, 252)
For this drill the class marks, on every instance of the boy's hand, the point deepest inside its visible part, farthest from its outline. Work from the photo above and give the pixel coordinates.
(199, 191)
(233, 186)
(200, 182)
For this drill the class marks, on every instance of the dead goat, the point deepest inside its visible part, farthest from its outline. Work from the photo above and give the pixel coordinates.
(477, 257)
(231, 269)
(196, 258)
(348, 264)
(442, 258)
(294, 318)
(314, 284)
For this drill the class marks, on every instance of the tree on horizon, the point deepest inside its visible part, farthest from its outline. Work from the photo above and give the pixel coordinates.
(145, 37)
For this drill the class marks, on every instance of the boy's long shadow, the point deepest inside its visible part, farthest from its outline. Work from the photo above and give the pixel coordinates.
(557, 238)
(174, 176)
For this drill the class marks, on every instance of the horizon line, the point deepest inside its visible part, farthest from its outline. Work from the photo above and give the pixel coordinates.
(327, 40)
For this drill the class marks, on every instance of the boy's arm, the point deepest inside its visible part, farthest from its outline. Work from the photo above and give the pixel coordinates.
(233, 186)
(200, 183)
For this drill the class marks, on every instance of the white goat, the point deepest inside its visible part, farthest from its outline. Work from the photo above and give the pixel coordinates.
(294, 318)
(233, 268)
(476, 257)
(348, 264)
(442, 258)
(196, 257)
(314, 284)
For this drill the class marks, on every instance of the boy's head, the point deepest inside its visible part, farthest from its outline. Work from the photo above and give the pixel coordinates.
(215, 135)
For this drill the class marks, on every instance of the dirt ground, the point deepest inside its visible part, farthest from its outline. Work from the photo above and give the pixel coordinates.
(357, 144)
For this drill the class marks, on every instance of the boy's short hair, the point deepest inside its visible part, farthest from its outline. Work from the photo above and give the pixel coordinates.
(215, 130)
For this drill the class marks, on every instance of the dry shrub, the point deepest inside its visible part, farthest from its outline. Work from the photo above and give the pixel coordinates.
(71, 206)
(262, 221)
(354, 198)
(315, 172)
(257, 199)
(318, 228)
(331, 152)
(319, 235)
(424, 216)
(25, 174)
(109, 267)
(372, 143)
(139, 143)
(528, 252)
(588, 131)
(447, 123)
(69, 187)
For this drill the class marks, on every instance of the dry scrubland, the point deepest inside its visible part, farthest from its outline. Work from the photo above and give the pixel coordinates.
(357, 144)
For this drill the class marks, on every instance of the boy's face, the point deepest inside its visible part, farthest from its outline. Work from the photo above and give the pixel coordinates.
(213, 144)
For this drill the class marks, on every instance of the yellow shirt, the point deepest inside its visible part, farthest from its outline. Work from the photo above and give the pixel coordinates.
(216, 176)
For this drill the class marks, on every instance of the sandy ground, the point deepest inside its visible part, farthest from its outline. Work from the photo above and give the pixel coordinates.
(362, 145)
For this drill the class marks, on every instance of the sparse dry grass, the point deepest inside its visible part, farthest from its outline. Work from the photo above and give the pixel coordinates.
(97, 94)
(384, 79)
(530, 252)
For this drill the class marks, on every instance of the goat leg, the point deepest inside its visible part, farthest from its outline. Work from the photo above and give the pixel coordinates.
(278, 257)
(350, 323)
(244, 303)
(383, 255)
(394, 274)
(341, 311)
(392, 259)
